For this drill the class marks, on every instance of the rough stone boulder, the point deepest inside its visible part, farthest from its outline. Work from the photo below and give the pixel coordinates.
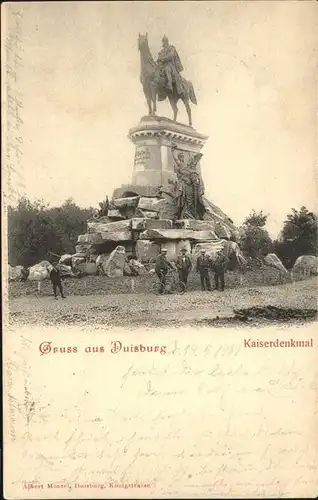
(306, 264)
(16, 273)
(90, 268)
(218, 249)
(65, 270)
(177, 234)
(204, 236)
(78, 258)
(168, 210)
(83, 248)
(222, 231)
(39, 272)
(114, 213)
(97, 238)
(85, 268)
(101, 262)
(134, 268)
(112, 265)
(168, 207)
(138, 267)
(135, 190)
(150, 204)
(146, 214)
(215, 214)
(128, 271)
(140, 224)
(90, 238)
(164, 207)
(273, 261)
(104, 227)
(195, 225)
(147, 251)
(116, 236)
(66, 259)
(130, 202)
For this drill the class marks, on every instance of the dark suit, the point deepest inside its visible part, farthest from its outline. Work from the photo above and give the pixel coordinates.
(203, 266)
(184, 266)
(56, 281)
(220, 266)
(162, 267)
(219, 277)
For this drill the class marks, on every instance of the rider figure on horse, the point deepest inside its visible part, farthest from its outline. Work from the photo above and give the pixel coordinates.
(170, 65)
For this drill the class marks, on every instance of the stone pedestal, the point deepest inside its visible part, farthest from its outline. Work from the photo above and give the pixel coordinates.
(144, 216)
(153, 138)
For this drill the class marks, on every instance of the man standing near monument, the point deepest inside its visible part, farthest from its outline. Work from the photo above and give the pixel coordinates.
(184, 266)
(170, 65)
(162, 267)
(220, 264)
(55, 278)
(203, 266)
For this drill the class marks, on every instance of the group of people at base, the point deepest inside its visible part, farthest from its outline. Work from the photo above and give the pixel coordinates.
(183, 265)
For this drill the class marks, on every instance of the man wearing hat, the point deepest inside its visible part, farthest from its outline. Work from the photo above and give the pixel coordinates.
(184, 266)
(203, 265)
(162, 267)
(220, 264)
(55, 278)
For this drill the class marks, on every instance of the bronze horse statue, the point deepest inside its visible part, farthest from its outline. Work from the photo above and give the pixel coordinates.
(154, 85)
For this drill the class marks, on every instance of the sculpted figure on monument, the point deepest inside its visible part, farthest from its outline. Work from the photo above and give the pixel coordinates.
(170, 66)
(162, 79)
(189, 188)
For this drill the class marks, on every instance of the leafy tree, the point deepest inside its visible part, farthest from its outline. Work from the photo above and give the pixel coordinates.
(298, 236)
(255, 241)
(35, 229)
(256, 219)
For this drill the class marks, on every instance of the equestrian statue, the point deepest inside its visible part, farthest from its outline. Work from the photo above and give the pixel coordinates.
(161, 79)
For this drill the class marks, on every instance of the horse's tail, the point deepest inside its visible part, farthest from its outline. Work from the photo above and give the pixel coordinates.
(192, 93)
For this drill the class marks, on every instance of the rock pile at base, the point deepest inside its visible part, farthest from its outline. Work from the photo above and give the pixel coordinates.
(144, 224)
(143, 219)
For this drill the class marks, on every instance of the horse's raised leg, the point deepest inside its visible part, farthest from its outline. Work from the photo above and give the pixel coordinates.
(174, 107)
(187, 106)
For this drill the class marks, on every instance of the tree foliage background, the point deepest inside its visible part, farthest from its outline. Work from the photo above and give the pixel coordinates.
(35, 228)
(298, 236)
(255, 241)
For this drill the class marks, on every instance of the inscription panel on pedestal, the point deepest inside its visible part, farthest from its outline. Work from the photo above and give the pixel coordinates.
(147, 158)
(142, 157)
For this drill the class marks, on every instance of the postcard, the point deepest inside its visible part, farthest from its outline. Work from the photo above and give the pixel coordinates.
(159, 249)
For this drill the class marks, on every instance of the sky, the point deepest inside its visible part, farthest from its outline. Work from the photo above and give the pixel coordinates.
(252, 65)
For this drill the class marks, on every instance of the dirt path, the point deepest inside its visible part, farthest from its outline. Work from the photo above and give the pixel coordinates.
(192, 308)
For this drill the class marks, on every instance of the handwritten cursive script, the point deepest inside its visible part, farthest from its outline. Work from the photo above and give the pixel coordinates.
(13, 63)
(206, 418)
